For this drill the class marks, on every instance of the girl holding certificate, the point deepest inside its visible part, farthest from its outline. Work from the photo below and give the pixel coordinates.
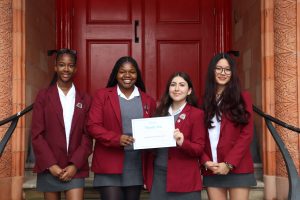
(117, 167)
(173, 173)
(59, 138)
(229, 121)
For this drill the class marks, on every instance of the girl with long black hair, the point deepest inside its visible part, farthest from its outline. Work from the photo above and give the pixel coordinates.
(117, 167)
(229, 122)
(173, 173)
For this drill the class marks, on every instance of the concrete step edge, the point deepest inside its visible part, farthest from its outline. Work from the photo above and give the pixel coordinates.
(30, 183)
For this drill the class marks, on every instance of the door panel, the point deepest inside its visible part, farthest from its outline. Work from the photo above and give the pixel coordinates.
(172, 58)
(180, 10)
(115, 11)
(173, 36)
(103, 31)
(179, 36)
(101, 60)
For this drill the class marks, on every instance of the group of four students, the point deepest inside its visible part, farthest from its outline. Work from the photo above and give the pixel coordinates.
(212, 135)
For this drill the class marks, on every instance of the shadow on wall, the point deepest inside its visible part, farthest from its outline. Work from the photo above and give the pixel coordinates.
(255, 148)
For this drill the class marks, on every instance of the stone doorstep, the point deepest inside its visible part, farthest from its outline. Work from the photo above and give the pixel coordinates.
(258, 172)
(256, 193)
(30, 183)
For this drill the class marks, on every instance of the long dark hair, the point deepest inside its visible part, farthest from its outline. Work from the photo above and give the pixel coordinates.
(112, 81)
(59, 53)
(166, 100)
(231, 102)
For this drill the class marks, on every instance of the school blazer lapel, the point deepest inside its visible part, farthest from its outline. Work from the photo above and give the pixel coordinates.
(54, 98)
(78, 108)
(146, 105)
(114, 101)
(183, 117)
(223, 122)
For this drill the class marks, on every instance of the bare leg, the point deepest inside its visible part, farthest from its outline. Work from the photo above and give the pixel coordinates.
(239, 193)
(52, 195)
(74, 194)
(215, 193)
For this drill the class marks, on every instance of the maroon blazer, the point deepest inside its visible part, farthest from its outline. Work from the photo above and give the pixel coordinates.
(105, 126)
(48, 132)
(234, 143)
(183, 174)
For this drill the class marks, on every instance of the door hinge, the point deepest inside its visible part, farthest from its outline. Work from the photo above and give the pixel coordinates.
(73, 12)
(214, 11)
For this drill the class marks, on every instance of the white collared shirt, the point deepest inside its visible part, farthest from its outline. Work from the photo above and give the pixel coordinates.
(135, 93)
(177, 111)
(67, 103)
(214, 135)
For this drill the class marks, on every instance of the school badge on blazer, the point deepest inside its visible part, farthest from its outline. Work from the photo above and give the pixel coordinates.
(79, 105)
(181, 117)
(146, 108)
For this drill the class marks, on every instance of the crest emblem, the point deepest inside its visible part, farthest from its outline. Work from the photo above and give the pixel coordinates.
(146, 108)
(182, 116)
(79, 105)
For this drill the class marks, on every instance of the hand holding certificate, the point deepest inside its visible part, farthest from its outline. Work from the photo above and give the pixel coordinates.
(154, 132)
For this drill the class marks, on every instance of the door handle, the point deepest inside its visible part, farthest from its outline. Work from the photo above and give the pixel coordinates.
(136, 38)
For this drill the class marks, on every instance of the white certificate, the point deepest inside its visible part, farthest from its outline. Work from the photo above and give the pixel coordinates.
(153, 132)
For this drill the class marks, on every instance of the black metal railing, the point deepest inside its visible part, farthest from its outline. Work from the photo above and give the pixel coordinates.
(14, 121)
(294, 179)
(293, 176)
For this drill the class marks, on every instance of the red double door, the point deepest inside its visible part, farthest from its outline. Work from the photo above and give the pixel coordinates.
(164, 36)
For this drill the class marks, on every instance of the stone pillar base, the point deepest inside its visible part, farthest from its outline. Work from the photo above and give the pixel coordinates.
(276, 187)
(11, 188)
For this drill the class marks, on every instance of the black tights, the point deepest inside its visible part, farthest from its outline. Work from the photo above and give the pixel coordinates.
(120, 193)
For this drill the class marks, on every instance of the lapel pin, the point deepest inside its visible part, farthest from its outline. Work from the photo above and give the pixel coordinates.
(182, 116)
(146, 108)
(79, 105)
(178, 121)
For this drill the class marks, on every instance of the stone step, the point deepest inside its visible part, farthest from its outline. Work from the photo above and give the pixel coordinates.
(258, 172)
(30, 193)
(91, 194)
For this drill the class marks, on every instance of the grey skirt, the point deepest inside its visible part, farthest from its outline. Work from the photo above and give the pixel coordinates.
(229, 180)
(158, 191)
(46, 182)
(130, 178)
(132, 173)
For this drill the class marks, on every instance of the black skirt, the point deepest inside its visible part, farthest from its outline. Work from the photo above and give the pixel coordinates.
(229, 180)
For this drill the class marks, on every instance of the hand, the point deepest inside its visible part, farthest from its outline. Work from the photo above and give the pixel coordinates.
(178, 137)
(69, 172)
(56, 171)
(126, 140)
(212, 166)
(222, 169)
